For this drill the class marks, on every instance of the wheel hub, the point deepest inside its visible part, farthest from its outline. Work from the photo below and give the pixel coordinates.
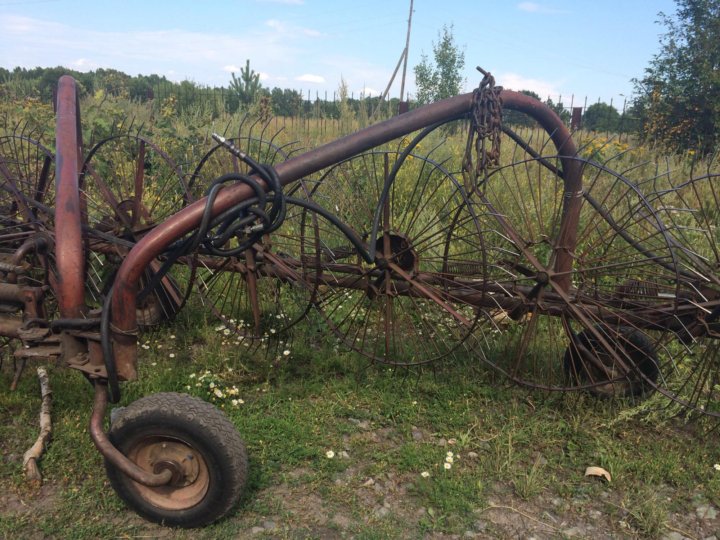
(176, 457)
(399, 250)
(190, 478)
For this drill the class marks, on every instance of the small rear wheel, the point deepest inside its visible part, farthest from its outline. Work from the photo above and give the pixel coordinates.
(196, 442)
(588, 364)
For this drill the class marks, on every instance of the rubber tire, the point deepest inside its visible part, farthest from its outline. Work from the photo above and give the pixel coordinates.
(198, 424)
(643, 356)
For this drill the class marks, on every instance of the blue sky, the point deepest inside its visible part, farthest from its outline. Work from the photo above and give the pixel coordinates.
(555, 47)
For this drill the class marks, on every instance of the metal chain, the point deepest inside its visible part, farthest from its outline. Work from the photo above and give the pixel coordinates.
(485, 129)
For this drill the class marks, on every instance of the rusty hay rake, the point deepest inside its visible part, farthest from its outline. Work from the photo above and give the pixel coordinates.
(558, 272)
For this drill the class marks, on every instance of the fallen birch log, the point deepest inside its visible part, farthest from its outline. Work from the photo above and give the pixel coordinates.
(31, 457)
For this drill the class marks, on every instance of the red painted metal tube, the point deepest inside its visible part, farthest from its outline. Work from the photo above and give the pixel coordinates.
(126, 282)
(68, 244)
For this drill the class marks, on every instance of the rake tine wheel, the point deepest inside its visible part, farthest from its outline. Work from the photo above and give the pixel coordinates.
(27, 171)
(400, 299)
(640, 314)
(687, 202)
(597, 332)
(27, 186)
(259, 292)
(129, 185)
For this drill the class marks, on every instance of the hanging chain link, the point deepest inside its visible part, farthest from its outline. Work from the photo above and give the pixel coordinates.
(484, 131)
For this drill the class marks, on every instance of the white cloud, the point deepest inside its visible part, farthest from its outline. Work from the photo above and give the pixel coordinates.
(19, 25)
(513, 81)
(172, 75)
(283, 53)
(310, 78)
(286, 29)
(366, 91)
(83, 64)
(530, 7)
(31, 42)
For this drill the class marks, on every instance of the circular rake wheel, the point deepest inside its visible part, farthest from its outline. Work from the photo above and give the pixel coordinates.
(218, 161)
(27, 173)
(128, 186)
(196, 442)
(27, 186)
(623, 279)
(689, 209)
(258, 292)
(410, 305)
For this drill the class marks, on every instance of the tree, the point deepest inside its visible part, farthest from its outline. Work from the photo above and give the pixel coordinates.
(601, 117)
(559, 109)
(442, 78)
(285, 102)
(112, 81)
(679, 97)
(247, 86)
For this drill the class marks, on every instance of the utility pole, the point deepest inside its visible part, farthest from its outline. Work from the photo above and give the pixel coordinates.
(404, 104)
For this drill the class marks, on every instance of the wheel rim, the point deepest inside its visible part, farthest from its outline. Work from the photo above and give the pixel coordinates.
(218, 161)
(407, 309)
(190, 481)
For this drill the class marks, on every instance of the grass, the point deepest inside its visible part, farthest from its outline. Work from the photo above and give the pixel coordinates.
(511, 449)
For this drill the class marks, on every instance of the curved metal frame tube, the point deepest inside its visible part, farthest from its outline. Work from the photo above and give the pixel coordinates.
(112, 454)
(154, 243)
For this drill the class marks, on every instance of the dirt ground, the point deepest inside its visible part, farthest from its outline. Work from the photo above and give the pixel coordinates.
(354, 505)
